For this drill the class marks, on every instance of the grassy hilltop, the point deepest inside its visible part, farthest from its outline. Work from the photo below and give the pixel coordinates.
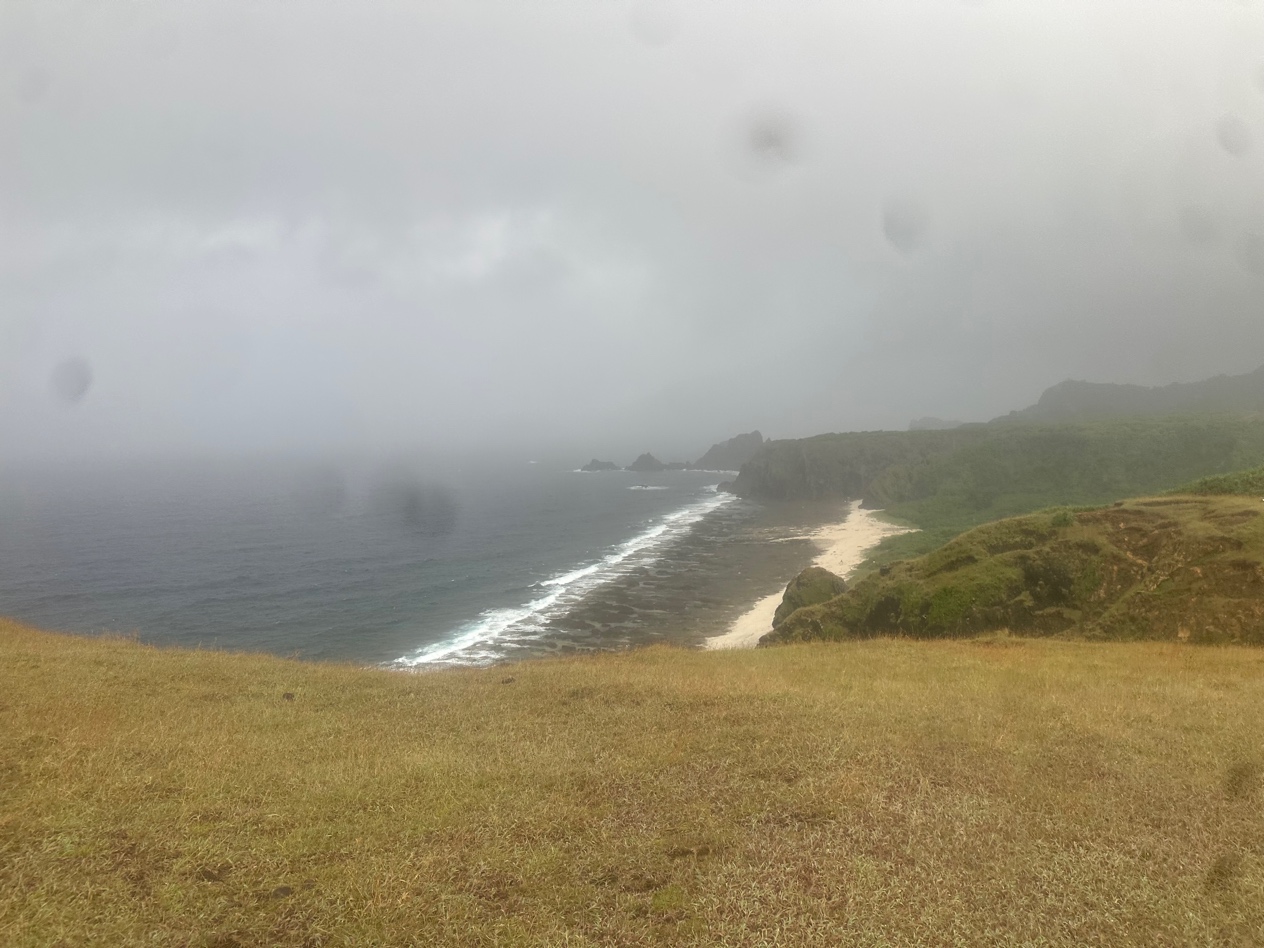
(996, 792)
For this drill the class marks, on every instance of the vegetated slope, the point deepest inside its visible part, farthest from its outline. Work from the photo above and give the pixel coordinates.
(944, 482)
(1247, 483)
(875, 793)
(841, 466)
(1185, 568)
(1088, 401)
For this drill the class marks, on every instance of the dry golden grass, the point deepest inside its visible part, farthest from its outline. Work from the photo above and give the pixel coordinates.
(1000, 792)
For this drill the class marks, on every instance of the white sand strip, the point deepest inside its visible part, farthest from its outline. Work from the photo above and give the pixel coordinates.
(844, 547)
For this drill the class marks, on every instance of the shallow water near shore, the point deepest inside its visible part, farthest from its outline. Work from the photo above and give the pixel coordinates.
(410, 567)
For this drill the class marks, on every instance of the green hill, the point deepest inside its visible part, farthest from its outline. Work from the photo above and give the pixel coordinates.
(871, 793)
(943, 482)
(1180, 568)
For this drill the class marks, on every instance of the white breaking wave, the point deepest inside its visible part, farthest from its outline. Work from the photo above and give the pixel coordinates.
(476, 642)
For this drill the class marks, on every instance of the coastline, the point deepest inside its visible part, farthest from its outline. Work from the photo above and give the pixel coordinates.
(843, 547)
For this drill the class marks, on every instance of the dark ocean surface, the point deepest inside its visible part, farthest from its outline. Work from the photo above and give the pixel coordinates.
(407, 566)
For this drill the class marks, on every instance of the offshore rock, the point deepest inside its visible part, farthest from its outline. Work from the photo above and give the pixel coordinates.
(646, 464)
(595, 465)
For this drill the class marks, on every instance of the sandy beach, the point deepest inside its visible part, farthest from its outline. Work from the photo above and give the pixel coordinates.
(843, 548)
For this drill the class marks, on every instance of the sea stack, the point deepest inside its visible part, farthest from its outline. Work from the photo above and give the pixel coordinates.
(647, 464)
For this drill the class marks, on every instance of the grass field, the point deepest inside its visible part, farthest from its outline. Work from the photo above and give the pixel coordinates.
(886, 792)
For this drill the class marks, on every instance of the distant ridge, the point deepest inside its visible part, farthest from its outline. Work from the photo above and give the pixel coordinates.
(930, 423)
(732, 454)
(1091, 401)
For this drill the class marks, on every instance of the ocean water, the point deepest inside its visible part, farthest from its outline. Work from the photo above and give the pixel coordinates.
(399, 566)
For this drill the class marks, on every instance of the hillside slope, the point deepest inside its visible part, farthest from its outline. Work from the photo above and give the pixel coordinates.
(872, 793)
(1181, 568)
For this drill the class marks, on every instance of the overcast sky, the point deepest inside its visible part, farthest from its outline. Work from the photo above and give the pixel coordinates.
(611, 226)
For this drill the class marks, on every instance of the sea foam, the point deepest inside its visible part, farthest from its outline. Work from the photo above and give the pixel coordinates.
(482, 641)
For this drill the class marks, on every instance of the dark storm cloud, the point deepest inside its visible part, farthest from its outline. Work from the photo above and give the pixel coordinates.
(273, 225)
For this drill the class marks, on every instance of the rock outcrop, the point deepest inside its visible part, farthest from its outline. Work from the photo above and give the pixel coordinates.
(595, 465)
(811, 587)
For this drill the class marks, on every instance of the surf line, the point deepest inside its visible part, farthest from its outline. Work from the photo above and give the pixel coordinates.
(476, 642)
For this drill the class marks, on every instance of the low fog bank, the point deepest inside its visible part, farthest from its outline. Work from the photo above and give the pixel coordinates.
(583, 230)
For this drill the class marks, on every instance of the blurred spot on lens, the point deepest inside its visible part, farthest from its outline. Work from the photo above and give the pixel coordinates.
(1234, 135)
(71, 380)
(904, 223)
(321, 491)
(653, 22)
(1199, 225)
(773, 139)
(162, 41)
(33, 85)
(426, 509)
(1251, 252)
(766, 143)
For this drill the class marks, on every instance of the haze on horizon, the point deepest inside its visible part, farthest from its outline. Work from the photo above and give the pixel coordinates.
(606, 227)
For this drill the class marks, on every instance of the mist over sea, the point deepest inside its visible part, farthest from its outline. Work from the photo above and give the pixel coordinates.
(453, 564)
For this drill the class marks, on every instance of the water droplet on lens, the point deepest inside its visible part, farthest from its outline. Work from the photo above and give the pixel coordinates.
(1199, 225)
(771, 139)
(71, 380)
(1251, 252)
(321, 491)
(904, 222)
(427, 509)
(653, 22)
(33, 86)
(1234, 135)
